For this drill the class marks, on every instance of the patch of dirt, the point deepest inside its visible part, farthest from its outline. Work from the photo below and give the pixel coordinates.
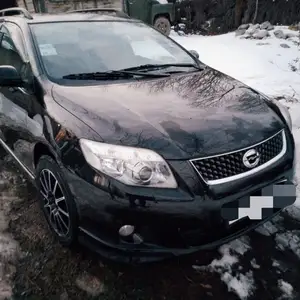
(9, 248)
(49, 271)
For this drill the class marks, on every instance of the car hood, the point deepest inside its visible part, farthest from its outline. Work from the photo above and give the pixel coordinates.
(181, 116)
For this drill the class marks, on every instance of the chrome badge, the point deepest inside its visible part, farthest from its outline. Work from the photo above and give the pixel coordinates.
(251, 158)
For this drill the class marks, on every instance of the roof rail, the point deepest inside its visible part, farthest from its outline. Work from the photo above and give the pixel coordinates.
(16, 11)
(116, 11)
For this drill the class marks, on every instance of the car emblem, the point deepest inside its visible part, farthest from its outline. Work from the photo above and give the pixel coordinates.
(251, 158)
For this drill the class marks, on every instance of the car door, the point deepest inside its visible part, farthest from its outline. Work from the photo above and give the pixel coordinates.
(138, 9)
(19, 124)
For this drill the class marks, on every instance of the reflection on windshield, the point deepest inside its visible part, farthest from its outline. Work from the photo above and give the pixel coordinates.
(100, 46)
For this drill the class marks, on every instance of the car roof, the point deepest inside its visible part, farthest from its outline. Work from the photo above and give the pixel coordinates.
(66, 17)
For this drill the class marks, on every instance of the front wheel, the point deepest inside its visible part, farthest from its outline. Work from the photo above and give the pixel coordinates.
(163, 25)
(56, 201)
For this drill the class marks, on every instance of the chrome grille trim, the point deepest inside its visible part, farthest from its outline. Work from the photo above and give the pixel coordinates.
(250, 172)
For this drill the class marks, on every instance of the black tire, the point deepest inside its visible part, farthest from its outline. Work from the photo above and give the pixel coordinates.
(47, 165)
(163, 25)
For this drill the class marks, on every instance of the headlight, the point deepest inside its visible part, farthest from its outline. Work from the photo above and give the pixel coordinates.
(132, 166)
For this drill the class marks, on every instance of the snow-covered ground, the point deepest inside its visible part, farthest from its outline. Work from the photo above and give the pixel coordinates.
(266, 66)
(241, 284)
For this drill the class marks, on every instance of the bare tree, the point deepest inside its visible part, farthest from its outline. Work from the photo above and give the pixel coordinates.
(256, 12)
(240, 7)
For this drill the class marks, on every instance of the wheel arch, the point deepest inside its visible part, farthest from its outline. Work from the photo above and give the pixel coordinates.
(165, 15)
(39, 150)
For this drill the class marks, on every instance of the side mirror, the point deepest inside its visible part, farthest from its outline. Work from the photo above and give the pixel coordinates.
(9, 76)
(194, 53)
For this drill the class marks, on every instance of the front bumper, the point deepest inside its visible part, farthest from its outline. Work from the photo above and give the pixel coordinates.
(128, 253)
(168, 227)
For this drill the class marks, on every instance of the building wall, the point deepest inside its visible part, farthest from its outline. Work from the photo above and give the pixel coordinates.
(62, 6)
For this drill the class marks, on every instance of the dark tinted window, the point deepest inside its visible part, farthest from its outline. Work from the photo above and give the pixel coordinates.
(10, 54)
(16, 35)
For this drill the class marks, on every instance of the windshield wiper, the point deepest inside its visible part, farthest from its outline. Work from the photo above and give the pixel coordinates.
(120, 74)
(150, 67)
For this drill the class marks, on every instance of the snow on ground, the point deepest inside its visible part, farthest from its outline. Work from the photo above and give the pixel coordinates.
(265, 66)
(290, 240)
(286, 289)
(233, 273)
(254, 264)
(237, 282)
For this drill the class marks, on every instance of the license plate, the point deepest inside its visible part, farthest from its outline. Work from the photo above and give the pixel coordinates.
(261, 204)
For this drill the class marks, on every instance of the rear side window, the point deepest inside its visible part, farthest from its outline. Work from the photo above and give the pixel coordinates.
(8, 52)
(12, 51)
(16, 35)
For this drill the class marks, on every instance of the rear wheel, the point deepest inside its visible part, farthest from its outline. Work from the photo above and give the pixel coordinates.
(163, 25)
(56, 201)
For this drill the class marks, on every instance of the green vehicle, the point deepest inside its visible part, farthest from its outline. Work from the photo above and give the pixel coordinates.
(158, 13)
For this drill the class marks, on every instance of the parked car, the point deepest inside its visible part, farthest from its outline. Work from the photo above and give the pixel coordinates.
(135, 146)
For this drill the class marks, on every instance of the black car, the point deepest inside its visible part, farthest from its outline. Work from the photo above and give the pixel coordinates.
(137, 148)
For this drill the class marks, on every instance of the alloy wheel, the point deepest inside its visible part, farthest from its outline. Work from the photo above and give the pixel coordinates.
(54, 203)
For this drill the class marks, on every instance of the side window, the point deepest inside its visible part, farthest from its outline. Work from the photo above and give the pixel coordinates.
(9, 54)
(12, 51)
(16, 35)
(7, 43)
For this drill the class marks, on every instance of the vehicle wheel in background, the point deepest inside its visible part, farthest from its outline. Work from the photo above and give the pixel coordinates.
(163, 25)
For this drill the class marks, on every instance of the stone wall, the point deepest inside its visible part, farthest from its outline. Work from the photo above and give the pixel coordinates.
(62, 6)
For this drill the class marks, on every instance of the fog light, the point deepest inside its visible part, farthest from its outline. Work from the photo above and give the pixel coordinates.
(126, 231)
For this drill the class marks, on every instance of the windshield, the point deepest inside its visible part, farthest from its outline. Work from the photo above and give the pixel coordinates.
(86, 47)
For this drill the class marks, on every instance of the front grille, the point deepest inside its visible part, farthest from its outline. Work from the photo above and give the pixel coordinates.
(224, 166)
